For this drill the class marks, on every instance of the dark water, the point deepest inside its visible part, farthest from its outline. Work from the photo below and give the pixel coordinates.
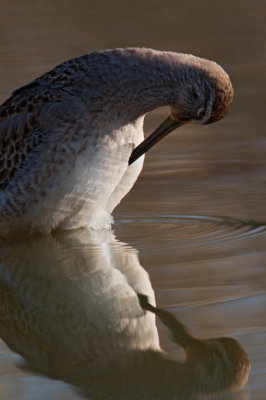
(196, 217)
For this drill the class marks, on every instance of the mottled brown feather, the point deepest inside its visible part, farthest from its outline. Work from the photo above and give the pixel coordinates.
(126, 83)
(223, 97)
(20, 130)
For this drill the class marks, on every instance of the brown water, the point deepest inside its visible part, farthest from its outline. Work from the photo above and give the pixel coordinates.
(197, 215)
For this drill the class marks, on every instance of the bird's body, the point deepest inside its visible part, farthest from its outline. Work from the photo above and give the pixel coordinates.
(69, 305)
(66, 138)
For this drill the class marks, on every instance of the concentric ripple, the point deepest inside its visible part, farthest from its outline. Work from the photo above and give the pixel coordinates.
(190, 230)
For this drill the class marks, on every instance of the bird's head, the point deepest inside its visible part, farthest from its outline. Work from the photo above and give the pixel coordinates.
(221, 364)
(218, 364)
(204, 96)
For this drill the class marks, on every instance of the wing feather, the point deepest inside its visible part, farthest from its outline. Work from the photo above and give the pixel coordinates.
(20, 130)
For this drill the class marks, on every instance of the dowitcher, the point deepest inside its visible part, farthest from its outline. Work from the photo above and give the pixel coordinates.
(67, 137)
(69, 307)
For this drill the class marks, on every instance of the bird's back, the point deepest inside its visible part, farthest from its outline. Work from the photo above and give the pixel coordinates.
(59, 162)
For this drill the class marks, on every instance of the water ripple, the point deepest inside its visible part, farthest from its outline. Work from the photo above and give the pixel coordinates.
(190, 229)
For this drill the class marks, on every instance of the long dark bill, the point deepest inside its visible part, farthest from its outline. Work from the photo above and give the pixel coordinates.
(166, 127)
(179, 331)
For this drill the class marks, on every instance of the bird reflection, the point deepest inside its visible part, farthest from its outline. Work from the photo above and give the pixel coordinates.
(79, 307)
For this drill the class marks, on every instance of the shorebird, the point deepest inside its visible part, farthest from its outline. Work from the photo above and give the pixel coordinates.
(71, 141)
(70, 305)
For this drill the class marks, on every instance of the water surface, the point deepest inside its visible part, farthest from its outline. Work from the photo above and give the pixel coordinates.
(197, 214)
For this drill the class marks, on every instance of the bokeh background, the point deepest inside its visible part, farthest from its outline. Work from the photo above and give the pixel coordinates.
(216, 286)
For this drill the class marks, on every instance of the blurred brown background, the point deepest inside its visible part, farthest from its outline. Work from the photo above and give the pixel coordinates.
(211, 273)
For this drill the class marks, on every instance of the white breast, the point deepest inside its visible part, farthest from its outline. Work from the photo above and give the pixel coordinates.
(83, 192)
(102, 178)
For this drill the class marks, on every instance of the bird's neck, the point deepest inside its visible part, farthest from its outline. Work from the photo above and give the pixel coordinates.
(135, 82)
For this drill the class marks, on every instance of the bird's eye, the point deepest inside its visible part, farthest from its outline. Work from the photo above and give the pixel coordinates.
(201, 113)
